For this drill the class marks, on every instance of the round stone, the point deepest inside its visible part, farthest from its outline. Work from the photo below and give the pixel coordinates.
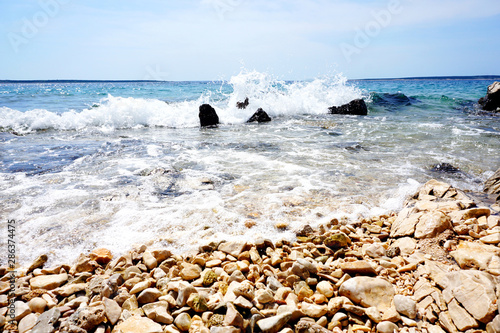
(325, 288)
(37, 305)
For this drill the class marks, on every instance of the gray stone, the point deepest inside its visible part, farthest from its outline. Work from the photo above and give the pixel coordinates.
(275, 323)
(46, 321)
(368, 292)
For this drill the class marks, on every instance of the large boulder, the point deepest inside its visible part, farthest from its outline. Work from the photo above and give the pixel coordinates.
(354, 107)
(208, 116)
(259, 116)
(491, 102)
(492, 185)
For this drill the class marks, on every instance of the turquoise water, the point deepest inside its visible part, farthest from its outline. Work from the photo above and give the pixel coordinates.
(118, 163)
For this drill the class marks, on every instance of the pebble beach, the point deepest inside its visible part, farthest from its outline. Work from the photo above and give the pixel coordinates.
(432, 267)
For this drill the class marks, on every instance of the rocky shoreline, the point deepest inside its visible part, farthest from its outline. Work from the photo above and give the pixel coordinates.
(433, 267)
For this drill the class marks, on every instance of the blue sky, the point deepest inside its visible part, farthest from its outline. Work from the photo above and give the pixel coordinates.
(214, 39)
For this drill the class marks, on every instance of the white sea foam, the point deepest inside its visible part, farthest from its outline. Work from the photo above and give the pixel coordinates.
(276, 97)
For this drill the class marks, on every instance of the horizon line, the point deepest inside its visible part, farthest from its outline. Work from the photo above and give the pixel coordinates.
(454, 77)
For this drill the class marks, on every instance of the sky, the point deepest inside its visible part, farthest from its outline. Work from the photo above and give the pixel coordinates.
(216, 39)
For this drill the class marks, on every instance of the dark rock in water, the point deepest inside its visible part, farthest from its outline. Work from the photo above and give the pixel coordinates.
(445, 167)
(492, 185)
(355, 107)
(208, 116)
(259, 116)
(392, 100)
(350, 146)
(242, 105)
(491, 102)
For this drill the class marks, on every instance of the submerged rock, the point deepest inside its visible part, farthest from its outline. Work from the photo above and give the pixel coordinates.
(392, 100)
(354, 107)
(208, 116)
(444, 168)
(259, 116)
(491, 102)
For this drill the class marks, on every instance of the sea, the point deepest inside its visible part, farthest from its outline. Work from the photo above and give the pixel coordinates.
(89, 164)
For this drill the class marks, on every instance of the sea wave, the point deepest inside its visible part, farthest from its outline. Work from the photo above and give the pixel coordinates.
(277, 98)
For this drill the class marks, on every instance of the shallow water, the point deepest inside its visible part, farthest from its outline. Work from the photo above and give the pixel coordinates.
(116, 164)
